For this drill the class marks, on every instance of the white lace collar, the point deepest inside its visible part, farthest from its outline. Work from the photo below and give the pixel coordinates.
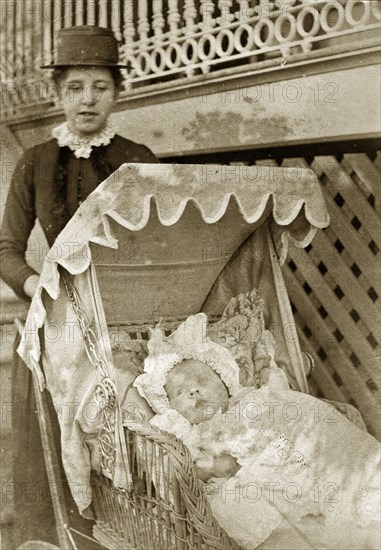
(81, 147)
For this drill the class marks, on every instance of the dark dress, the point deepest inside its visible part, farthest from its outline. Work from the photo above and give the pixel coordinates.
(48, 184)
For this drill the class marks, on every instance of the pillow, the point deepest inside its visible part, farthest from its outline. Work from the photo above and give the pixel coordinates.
(241, 330)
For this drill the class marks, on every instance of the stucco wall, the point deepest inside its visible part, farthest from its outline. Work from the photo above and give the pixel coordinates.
(246, 113)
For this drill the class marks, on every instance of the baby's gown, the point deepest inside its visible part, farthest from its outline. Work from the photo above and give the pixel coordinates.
(298, 456)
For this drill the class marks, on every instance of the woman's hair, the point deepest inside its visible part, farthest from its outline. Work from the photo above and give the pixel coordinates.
(60, 73)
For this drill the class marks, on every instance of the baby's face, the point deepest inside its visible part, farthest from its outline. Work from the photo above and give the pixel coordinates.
(194, 389)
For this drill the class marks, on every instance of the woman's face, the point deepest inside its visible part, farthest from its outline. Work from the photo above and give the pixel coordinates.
(87, 95)
(196, 391)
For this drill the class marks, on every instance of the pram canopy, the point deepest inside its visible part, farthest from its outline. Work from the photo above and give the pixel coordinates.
(160, 242)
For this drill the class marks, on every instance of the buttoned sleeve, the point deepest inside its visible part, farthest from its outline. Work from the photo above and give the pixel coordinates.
(18, 221)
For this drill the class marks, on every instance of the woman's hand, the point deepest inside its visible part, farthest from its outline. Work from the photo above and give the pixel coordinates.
(225, 465)
(204, 472)
(30, 285)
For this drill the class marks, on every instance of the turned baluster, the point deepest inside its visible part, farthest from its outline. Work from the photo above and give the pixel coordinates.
(102, 14)
(79, 12)
(46, 33)
(226, 16)
(158, 21)
(245, 12)
(91, 12)
(143, 24)
(57, 18)
(68, 17)
(7, 64)
(37, 34)
(207, 10)
(129, 27)
(173, 19)
(190, 14)
(28, 36)
(115, 19)
(3, 49)
(19, 42)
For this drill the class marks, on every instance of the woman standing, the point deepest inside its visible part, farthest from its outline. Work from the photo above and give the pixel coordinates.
(50, 182)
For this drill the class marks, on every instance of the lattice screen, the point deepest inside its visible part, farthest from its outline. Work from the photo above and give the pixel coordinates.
(335, 285)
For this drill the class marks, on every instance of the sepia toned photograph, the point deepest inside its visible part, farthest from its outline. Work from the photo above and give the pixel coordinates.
(190, 275)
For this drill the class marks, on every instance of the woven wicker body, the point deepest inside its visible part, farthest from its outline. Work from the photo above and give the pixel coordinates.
(166, 509)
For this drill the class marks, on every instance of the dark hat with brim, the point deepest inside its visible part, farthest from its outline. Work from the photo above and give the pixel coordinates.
(84, 46)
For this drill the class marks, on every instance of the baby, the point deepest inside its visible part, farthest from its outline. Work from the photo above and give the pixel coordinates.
(266, 454)
(196, 391)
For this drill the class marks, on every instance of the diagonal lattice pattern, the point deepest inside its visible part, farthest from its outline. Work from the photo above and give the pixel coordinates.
(334, 285)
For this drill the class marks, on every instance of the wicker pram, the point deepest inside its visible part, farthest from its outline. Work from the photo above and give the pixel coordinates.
(174, 515)
(145, 494)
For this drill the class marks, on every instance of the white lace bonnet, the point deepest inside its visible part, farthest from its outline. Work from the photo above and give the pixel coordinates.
(188, 341)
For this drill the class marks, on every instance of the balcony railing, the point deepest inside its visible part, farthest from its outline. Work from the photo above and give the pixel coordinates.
(177, 40)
